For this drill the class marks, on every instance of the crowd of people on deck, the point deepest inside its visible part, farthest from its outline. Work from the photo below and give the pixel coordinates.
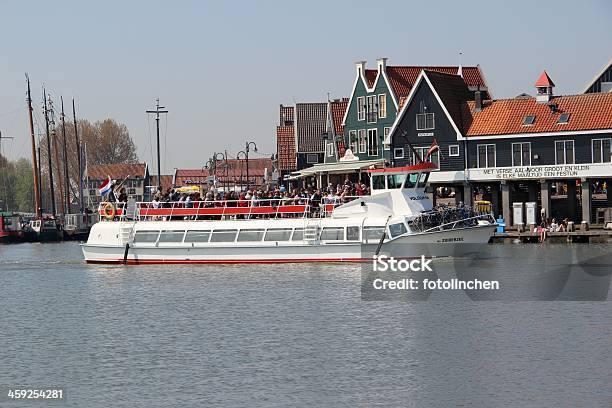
(253, 197)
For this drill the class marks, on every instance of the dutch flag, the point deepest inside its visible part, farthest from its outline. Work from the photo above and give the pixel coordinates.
(106, 186)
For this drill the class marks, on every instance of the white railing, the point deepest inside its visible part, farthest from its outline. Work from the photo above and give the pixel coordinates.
(284, 207)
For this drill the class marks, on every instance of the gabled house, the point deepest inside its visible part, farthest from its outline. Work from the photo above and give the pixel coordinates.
(134, 176)
(602, 82)
(379, 94)
(334, 130)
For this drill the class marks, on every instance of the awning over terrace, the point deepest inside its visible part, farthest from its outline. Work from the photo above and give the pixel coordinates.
(341, 167)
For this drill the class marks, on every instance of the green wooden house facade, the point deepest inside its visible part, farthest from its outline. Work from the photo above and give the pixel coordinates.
(376, 98)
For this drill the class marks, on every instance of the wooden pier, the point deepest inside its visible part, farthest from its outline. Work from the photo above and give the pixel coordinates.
(594, 235)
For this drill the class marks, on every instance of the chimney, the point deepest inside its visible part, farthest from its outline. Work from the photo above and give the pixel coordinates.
(381, 64)
(360, 66)
(544, 86)
(477, 100)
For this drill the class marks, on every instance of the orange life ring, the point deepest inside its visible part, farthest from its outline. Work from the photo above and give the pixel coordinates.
(109, 211)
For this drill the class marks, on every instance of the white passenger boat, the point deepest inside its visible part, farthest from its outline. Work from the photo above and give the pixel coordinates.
(397, 211)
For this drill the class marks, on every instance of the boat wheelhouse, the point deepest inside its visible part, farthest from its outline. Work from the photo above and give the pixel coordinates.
(10, 228)
(282, 229)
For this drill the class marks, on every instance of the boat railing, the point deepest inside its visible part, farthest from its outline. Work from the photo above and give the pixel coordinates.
(296, 207)
(448, 218)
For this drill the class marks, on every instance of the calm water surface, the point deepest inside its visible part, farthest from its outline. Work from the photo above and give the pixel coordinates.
(278, 336)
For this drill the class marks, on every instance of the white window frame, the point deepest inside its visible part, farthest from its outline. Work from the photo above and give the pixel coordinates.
(602, 151)
(450, 151)
(565, 151)
(382, 113)
(375, 132)
(329, 148)
(512, 154)
(433, 121)
(353, 138)
(362, 136)
(386, 132)
(371, 115)
(361, 108)
(486, 155)
(422, 151)
(309, 155)
(395, 153)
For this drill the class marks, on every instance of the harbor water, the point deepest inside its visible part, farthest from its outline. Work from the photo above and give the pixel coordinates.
(282, 335)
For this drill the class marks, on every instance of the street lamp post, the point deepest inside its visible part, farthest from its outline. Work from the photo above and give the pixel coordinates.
(211, 166)
(247, 149)
(223, 158)
(243, 153)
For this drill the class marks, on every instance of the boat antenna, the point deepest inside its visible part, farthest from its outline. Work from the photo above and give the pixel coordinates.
(37, 201)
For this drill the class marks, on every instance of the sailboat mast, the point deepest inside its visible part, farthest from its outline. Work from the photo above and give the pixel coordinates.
(51, 187)
(78, 147)
(37, 200)
(66, 175)
(58, 168)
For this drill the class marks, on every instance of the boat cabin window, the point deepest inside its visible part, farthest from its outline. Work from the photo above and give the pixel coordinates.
(251, 235)
(378, 182)
(395, 180)
(352, 233)
(397, 229)
(332, 234)
(372, 234)
(412, 180)
(171, 236)
(223, 235)
(278, 234)
(197, 236)
(423, 180)
(144, 237)
(49, 223)
(298, 234)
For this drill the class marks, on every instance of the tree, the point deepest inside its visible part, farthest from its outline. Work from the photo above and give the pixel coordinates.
(16, 185)
(105, 142)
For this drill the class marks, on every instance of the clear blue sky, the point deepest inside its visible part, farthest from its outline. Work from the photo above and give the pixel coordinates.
(222, 68)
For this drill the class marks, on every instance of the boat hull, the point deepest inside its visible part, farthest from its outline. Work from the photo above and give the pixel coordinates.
(413, 245)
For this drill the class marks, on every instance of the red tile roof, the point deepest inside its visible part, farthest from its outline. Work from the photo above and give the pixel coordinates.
(166, 181)
(285, 147)
(184, 177)
(505, 116)
(453, 92)
(402, 78)
(116, 171)
(544, 80)
(338, 108)
(236, 169)
(370, 76)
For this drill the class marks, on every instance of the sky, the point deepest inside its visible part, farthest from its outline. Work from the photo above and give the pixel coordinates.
(223, 68)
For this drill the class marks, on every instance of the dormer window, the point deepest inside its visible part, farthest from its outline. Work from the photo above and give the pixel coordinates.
(563, 118)
(528, 120)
